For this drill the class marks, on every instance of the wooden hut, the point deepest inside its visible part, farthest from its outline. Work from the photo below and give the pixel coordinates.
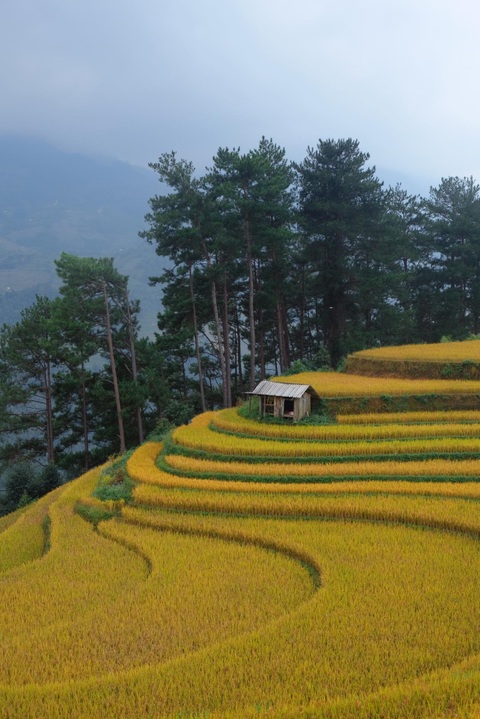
(285, 401)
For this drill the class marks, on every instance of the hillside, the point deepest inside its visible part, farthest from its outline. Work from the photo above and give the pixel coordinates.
(53, 201)
(243, 568)
(443, 360)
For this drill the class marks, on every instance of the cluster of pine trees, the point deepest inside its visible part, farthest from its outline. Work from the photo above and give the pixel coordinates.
(269, 264)
(308, 261)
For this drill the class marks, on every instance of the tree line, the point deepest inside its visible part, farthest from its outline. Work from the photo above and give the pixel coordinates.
(273, 262)
(271, 265)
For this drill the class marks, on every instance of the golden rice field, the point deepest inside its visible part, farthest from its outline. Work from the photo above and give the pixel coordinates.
(333, 384)
(409, 418)
(259, 570)
(363, 389)
(468, 350)
(202, 436)
(459, 360)
(365, 427)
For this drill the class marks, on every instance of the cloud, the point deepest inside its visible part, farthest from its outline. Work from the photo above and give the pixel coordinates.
(136, 78)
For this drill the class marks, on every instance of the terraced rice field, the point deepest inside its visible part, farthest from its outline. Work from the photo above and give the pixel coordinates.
(434, 361)
(259, 570)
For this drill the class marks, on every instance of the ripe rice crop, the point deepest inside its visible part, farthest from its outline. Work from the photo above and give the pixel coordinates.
(454, 360)
(357, 635)
(335, 384)
(467, 350)
(230, 421)
(24, 539)
(445, 418)
(434, 468)
(143, 469)
(200, 437)
(77, 635)
(452, 513)
(267, 583)
(8, 519)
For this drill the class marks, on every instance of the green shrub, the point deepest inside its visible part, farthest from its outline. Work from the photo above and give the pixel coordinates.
(93, 514)
(114, 482)
(20, 486)
(161, 430)
(250, 409)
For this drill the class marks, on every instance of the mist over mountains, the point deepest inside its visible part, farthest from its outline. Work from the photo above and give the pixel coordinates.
(53, 201)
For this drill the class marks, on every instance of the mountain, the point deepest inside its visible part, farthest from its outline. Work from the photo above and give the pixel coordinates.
(52, 201)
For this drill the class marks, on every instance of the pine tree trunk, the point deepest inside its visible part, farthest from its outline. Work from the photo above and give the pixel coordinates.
(86, 447)
(197, 344)
(251, 305)
(226, 341)
(116, 390)
(239, 350)
(218, 327)
(133, 356)
(220, 342)
(281, 337)
(48, 410)
(261, 348)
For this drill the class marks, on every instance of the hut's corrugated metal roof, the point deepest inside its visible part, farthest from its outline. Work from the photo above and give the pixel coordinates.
(281, 389)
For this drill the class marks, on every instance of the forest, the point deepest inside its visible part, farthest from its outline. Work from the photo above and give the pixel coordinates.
(273, 266)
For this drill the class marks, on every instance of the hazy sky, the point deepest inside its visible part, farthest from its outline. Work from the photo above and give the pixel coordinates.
(135, 78)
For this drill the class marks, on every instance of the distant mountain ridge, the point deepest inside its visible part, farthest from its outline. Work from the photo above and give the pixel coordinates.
(53, 201)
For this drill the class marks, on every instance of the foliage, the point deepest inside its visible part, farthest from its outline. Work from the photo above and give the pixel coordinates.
(74, 386)
(94, 513)
(21, 478)
(250, 408)
(114, 482)
(319, 363)
(161, 430)
(341, 204)
(25, 483)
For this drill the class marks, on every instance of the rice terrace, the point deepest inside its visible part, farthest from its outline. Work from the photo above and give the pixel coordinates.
(244, 567)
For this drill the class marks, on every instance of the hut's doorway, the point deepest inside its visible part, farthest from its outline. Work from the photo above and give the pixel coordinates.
(288, 408)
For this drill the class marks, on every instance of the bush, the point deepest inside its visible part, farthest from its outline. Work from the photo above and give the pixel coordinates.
(24, 483)
(297, 367)
(114, 482)
(319, 363)
(250, 409)
(161, 430)
(20, 486)
(49, 479)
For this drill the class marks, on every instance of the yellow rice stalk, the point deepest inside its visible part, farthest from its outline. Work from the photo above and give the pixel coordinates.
(163, 612)
(335, 384)
(24, 540)
(142, 468)
(447, 418)
(352, 638)
(8, 519)
(425, 468)
(468, 350)
(201, 437)
(452, 514)
(97, 645)
(229, 420)
(102, 585)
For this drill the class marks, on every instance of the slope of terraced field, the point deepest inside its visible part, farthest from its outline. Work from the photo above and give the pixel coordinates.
(258, 569)
(445, 360)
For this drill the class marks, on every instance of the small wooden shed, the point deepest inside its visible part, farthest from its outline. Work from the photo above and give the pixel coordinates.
(284, 400)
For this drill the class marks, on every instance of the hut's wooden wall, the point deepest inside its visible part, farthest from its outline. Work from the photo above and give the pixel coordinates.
(275, 406)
